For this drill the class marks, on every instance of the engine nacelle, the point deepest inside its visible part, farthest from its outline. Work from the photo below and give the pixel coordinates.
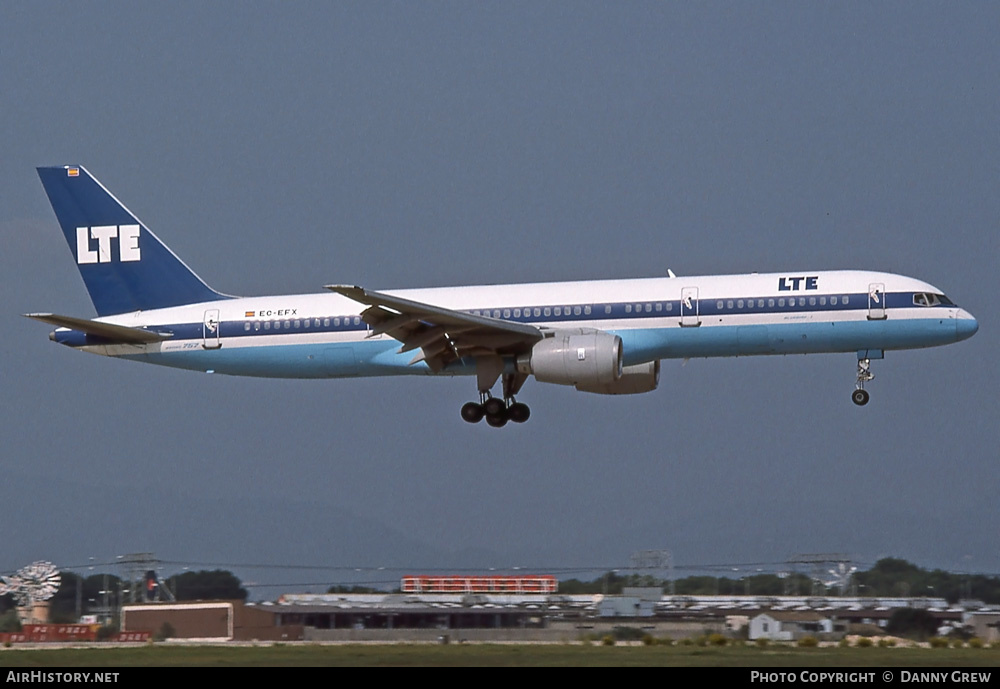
(634, 379)
(578, 356)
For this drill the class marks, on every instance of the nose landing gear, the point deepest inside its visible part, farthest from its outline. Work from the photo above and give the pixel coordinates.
(860, 396)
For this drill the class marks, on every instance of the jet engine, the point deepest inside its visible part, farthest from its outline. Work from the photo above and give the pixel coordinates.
(633, 380)
(580, 357)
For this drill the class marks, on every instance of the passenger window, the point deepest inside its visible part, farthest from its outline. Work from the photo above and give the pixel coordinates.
(812, 301)
(781, 302)
(628, 308)
(729, 304)
(576, 311)
(718, 305)
(770, 302)
(267, 325)
(538, 311)
(607, 308)
(802, 301)
(739, 304)
(833, 300)
(256, 326)
(659, 306)
(506, 313)
(547, 311)
(558, 310)
(246, 326)
(760, 303)
(822, 301)
(336, 322)
(298, 324)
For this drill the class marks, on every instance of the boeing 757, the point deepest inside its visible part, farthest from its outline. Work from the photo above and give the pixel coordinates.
(605, 337)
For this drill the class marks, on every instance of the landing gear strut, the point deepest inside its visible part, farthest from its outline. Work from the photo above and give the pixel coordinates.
(860, 395)
(498, 411)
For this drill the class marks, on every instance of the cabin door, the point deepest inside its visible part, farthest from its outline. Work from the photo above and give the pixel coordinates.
(876, 302)
(689, 307)
(210, 330)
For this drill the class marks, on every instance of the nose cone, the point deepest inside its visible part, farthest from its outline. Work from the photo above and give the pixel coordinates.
(965, 325)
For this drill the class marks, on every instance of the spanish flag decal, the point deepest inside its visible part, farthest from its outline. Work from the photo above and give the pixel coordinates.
(72, 172)
(248, 314)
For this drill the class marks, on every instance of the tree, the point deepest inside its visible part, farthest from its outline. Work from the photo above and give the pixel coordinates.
(217, 584)
(9, 622)
(911, 622)
(92, 595)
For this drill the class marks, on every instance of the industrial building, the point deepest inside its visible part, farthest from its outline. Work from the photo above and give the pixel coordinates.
(532, 617)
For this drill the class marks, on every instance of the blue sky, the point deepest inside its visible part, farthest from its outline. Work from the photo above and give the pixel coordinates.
(278, 148)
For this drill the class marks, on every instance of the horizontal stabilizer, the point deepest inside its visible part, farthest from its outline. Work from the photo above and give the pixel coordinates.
(116, 333)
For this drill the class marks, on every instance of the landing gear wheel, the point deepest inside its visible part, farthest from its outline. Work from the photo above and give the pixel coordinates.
(472, 412)
(494, 407)
(519, 412)
(497, 420)
(860, 395)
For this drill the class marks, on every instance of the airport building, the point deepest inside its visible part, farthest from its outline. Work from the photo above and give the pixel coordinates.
(442, 617)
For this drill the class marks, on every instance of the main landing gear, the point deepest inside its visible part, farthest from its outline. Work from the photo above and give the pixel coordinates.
(496, 411)
(860, 395)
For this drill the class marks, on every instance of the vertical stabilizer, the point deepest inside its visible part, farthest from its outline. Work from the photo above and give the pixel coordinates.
(124, 266)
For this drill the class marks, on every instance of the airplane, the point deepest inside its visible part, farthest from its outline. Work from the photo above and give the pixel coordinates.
(605, 336)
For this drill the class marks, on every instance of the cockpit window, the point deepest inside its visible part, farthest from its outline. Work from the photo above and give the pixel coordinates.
(929, 299)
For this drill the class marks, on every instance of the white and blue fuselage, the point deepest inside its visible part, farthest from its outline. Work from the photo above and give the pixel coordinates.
(324, 336)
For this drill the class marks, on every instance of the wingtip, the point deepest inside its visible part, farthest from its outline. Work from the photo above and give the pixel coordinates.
(344, 288)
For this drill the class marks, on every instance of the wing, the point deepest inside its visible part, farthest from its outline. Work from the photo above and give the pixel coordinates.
(115, 333)
(443, 335)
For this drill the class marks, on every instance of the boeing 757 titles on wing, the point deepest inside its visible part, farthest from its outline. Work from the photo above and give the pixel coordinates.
(605, 337)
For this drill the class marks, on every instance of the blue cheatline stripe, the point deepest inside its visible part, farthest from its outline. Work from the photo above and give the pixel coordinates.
(380, 357)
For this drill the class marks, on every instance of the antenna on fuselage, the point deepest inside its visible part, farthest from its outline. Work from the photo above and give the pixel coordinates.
(670, 273)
